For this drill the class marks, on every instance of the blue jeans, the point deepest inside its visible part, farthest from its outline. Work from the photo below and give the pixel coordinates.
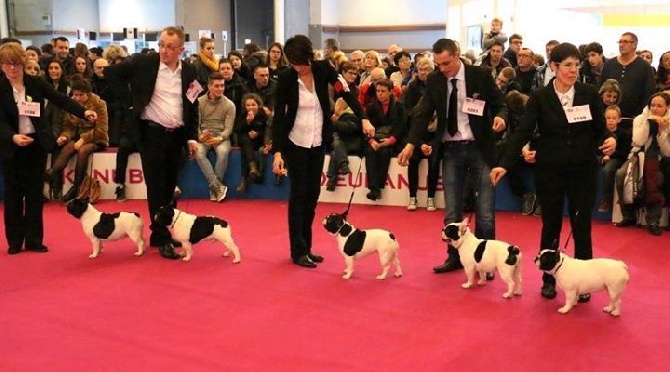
(213, 174)
(459, 158)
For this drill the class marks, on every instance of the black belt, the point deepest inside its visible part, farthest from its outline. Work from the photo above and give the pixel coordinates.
(153, 124)
(462, 142)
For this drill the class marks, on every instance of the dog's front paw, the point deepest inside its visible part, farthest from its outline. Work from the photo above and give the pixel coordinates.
(467, 285)
(381, 277)
(93, 255)
(481, 282)
(139, 253)
(186, 258)
(226, 254)
(346, 276)
(508, 295)
(565, 309)
(237, 260)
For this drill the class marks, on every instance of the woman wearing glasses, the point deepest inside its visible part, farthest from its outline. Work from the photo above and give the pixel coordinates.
(25, 140)
(301, 133)
(569, 120)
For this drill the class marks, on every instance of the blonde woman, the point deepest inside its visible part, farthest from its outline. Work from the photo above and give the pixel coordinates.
(370, 62)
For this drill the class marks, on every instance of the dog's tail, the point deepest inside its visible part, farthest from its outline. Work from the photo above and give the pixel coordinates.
(513, 251)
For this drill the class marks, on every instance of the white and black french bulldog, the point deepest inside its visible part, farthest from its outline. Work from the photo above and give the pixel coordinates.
(189, 229)
(577, 277)
(482, 256)
(354, 243)
(99, 226)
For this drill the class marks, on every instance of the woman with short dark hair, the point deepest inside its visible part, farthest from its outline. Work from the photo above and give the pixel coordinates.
(301, 133)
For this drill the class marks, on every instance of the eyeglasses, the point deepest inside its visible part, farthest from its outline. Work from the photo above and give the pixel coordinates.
(625, 41)
(12, 64)
(569, 65)
(170, 47)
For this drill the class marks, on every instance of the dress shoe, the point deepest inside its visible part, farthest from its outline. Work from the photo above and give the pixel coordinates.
(450, 264)
(167, 251)
(548, 291)
(625, 222)
(490, 276)
(14, 250)
(304, 261)
(586, 297)
(155, 242)
(655, 230)
(315, 257)
(39, 249)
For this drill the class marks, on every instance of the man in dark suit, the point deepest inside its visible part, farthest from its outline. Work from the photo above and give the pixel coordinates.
(164, 109)
(466, 126)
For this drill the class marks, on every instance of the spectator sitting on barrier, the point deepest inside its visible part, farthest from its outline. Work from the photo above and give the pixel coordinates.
(651, 134)
(389, 118)
(516, 107)
(55, 75)
(251, 127)
(610, 164)
(216, 118)
(347, 139)
(428, 149)
(81, 136)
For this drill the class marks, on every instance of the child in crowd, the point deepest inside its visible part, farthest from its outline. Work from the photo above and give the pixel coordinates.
(495, 34)
(251, 128)
(347, 139)
(611, 163)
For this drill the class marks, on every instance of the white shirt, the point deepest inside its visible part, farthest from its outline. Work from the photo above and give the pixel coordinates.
(464, 130)
(166, 105)
(566, 98)
(306, 131)
(25, 125)
(548, 75)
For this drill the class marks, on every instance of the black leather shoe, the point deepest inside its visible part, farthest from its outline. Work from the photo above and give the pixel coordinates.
(490, 276)
(655, 230)
(450, 264)
(315, 257)
(38, 249)
(625, 223)
(167, 251)
(586, 297)
(548, 291)
(14, 250)
(304, 261)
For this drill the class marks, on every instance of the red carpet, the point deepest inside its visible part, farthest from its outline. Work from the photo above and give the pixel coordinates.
(61, 311)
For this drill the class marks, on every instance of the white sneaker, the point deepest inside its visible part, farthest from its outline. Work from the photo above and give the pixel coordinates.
(221, 193)
(412, 204)
(430, 205)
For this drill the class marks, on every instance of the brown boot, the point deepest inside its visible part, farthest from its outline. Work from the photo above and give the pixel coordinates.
(242, 187)
(253, 170)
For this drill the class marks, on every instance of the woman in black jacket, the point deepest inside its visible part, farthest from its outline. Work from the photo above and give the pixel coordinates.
(25, 140)
(301, 133)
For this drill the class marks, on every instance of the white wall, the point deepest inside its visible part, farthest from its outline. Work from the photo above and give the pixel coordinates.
(391, 12)
(144, 15)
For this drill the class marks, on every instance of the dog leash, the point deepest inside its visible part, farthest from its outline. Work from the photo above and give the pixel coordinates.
(351, 198)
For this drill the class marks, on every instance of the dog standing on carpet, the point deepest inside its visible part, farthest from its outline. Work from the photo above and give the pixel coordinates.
(577, 277)
(482, 256)
(189, 229)
(354, 244)
(99, 226)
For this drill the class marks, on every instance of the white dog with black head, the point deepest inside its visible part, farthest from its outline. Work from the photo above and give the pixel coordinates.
(354, 244)
(577, 277)
(189, 229)
(482, 256)
(99, 226)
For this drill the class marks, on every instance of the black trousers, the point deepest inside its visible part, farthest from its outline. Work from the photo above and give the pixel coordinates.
(304, 167)
(162, 155)
(127, 146)
(578, 184)
(23, 177)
